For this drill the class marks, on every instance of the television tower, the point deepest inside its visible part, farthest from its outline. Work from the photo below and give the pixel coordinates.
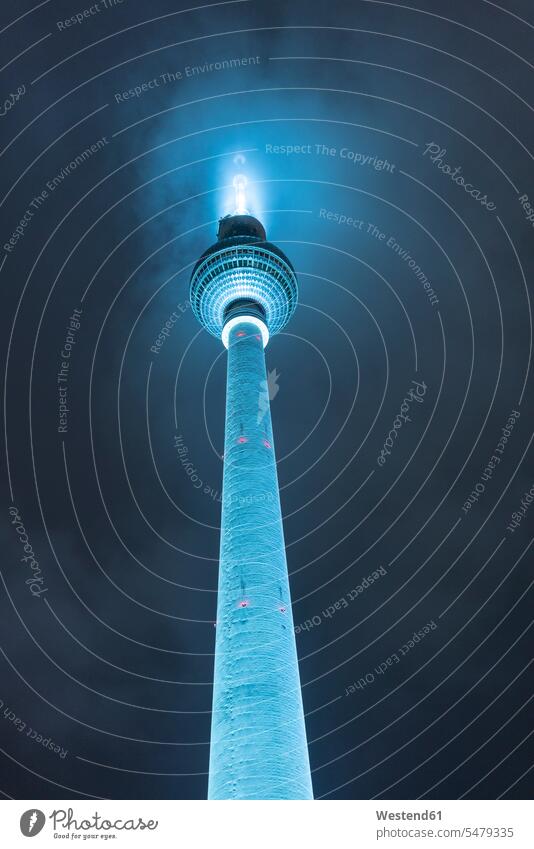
(244, 290)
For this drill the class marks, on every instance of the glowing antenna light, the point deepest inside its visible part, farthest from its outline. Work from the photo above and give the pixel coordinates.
(240, 188)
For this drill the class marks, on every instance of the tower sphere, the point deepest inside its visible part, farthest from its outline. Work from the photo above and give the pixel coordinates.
(242, 274)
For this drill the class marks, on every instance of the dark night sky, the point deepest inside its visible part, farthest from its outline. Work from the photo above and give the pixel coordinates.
(113, 660)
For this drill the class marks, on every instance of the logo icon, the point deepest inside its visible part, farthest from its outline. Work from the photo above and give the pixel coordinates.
(32, 822)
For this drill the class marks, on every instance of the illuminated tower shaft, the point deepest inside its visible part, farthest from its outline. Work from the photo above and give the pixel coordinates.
(258, 738)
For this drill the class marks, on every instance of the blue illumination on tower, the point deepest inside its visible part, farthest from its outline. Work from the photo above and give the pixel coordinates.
(243, 290)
